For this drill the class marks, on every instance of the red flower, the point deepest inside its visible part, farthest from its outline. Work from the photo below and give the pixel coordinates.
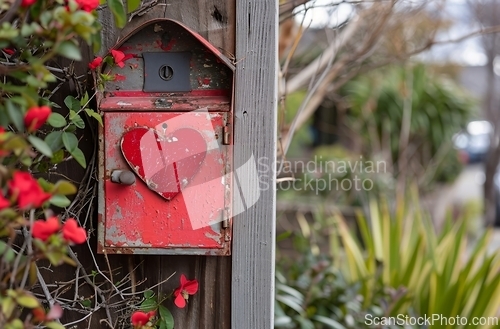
(188, 287)
(73, 233)
(36, 117)
(119, 57)
(39, 314)
(55, 313)
(27, 191)
(27, 3)
(44, 229)
(87, 5)
(139, 318)
(95, 63)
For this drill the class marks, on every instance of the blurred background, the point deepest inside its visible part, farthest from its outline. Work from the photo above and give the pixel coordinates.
(388, 193)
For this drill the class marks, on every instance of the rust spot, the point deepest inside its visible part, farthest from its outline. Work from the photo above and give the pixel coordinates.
(121, 250)
(204, 82)
(168, 46)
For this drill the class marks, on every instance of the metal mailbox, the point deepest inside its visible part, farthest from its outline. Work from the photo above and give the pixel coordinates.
(165, 170)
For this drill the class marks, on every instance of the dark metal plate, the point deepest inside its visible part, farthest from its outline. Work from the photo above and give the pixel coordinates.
(167, 72)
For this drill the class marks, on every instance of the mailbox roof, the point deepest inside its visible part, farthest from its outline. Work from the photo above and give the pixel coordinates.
(195, 34)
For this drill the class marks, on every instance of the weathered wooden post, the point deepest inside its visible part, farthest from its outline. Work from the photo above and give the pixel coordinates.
(236, 291)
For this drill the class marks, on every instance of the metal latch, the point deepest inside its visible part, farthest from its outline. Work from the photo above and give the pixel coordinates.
(167, 72)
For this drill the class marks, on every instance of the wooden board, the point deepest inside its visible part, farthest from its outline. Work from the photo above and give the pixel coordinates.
(255, 134)
(212, 19)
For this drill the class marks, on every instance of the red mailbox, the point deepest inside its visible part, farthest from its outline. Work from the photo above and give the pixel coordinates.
(165, 148)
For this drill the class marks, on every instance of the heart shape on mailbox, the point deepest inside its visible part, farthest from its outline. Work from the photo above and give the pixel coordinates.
(165, 163)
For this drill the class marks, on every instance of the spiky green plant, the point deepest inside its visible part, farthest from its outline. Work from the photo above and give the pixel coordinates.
(439, 273)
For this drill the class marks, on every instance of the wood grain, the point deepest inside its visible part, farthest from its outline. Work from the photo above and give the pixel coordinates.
(255, 134)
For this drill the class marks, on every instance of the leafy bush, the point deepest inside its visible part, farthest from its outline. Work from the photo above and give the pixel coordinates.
(439, 273)
(315, 294)
(437, 109)
(34, 140)
(393, 263)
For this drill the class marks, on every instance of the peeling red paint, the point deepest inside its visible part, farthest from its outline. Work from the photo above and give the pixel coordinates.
(166, 104)
(140, 218)
(120, 77)
(192, 93)
(169, 45)
(180, 166)
(204, 82)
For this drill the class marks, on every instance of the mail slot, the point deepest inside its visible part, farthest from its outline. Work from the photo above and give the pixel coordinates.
(165, 148)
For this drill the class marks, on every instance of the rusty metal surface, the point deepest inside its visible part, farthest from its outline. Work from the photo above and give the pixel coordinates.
(177, 205)
(165, 103)
(137, 219)
(208, 70)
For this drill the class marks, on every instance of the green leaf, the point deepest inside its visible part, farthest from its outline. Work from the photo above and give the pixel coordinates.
(34, 82)
(54, 325)
(54, 140)
(15, 115)
(148, 305)
(73, 104)
(15, 143)
(79, 157)
(84, 99)
(132, 5)
(45, 17)
(60, 201)
(167, 317)
(58, 157)
(64, 187)
(46, 185)
(27, 301)
(86, 303)
(56, 120)
(118, 10)
(148, 294)
(69, 50)
(40, 145)
(290, 302)
(68, 260)
(95, 115)
(78, 121)
(27, 30)
(7, 253)
(70, 141)
(15, 324)
(327, 321)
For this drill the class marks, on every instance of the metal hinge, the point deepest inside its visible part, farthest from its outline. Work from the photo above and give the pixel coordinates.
(226, 135)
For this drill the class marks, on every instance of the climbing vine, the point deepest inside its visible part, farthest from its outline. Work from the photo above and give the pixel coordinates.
(36, 136)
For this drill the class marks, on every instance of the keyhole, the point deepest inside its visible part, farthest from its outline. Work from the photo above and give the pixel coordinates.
(166, 72)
